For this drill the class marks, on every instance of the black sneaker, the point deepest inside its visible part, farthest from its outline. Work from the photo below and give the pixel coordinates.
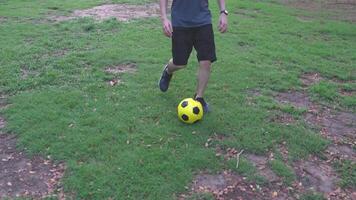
(165, 79)
(203, 104)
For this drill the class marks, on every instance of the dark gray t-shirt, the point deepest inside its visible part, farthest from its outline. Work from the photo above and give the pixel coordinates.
(190, 13)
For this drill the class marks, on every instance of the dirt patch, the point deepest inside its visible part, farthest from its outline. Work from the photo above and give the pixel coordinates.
(283, 118)
(3, 101)
(340, 152)
(348, 92)
(122, 68)
(261, 164)
(247, 13)
(309, 79)
(228, 185)
(283, 150)
(26, 177)
(338, 126)
(332, 9)
(114, 82)
(251, 96)
(25, 73)
(295, 98)
(121, 12)
(2, 19)
(228, 154)
(317, 176)
(2, 123)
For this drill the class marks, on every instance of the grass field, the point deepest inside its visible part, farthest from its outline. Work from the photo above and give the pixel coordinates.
(125, 141)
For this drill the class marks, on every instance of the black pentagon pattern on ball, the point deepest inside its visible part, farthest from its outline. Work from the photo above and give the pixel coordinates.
(185, 117)
(184, 104)
(196, 110)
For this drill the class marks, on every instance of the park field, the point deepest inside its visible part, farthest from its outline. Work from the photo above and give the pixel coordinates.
(82, 117)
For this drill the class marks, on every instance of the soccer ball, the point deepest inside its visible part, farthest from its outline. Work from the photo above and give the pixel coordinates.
(190, 111)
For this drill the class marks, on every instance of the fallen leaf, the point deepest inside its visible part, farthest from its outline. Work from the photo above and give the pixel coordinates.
(274, 194)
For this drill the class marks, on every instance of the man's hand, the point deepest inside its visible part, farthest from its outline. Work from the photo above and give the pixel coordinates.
(167, 27)
(223, 23)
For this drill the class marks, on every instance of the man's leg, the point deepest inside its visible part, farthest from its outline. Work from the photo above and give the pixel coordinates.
(167, 75)
(203, 77)
(182, 45)
(171, 67)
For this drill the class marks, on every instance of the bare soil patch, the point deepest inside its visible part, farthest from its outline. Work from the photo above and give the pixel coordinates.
(340, 152)
(26, 177)
(348, 92)
(309, 79)
(295, 98)
(332, 9)
(261, 164)
(2, 122)
(120, 69)
(121, 12)
(338, 126)
(3, 101)
(283, 118)
(26, 73)
(228, 185)
(247, 13)
(228, 154)
(2, 19)
(316, 175)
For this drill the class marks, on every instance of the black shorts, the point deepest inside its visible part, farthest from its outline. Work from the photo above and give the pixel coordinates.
(201, 38)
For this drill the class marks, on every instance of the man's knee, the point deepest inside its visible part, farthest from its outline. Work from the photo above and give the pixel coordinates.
(176, 66)
(206, 64)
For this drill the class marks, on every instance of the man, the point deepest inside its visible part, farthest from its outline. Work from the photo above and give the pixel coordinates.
(191, 26)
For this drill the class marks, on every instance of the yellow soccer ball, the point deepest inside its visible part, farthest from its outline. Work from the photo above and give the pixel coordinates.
(190, 111)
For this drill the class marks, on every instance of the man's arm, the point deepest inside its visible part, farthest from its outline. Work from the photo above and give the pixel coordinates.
(223, 17)
(167, 25)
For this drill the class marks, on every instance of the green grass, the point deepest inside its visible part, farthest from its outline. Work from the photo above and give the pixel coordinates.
(330, 92)
(201, 196)
(347, 172)
(125, 142)
(312, 196)
(246, 169)
(282, 170)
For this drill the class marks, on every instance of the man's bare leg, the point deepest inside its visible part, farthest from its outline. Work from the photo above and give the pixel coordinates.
(172, 67)
(203, 77)
(167, 75)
